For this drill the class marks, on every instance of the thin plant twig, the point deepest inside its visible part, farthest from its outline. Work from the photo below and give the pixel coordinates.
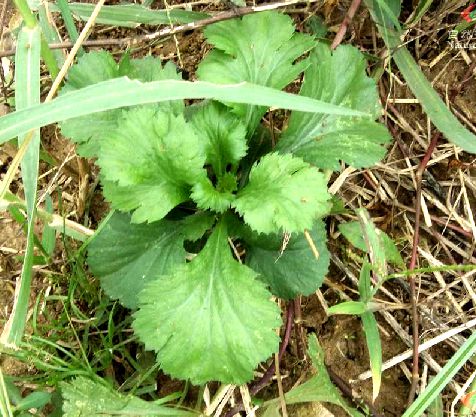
(311, 244)
(351, 394)
(70, 58)
(412, 265)
(345, 23)
(282, 400)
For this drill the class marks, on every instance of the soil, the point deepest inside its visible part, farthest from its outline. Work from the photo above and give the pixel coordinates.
(341, 337)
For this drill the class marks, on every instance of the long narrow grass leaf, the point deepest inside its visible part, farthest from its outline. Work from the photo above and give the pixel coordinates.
(133, 15)
(121, 92)
(31, 22)
(48, 239)
(375, 350)
(431, 102)
(5, 408)
(68, 20)
(50, 33)
(27, 94)
(465, 352)
(423, 6)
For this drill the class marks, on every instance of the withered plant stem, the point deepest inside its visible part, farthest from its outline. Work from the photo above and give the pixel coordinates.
(345, 23)
(412, 265)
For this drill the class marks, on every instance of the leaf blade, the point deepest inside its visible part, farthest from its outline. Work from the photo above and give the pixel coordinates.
(224, 136)
(133, 15)
(150, 162)
(293, 270)
(97, 66)
(430, 100)
(126, 257)
(374, 347)
(348, 307)
(352, 231)
(338, 77)
(284, 193)
(77, 396)
(27, 94)
(438, 383)
(250, 49)
(213, 316)
(122, 92)
(319, 387)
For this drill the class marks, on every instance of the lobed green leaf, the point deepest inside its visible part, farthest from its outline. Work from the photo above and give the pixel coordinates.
(223, 134)
(150, 163)
(208, 197)
(211, 319)
(85, 397)
(127, 256)
(337, 77)
(284, 193)
(97, 66)
(252, 49)
(320, 387)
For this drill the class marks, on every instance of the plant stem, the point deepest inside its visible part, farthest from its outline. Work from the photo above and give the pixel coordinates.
(27, 15)
(413, 260)
(444, 268)
(49, 58)
(345, 23)
(66, 226)
(349, 393)
(31, 22)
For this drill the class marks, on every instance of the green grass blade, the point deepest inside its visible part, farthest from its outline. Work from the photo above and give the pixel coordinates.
(431, 102)
(423, 6)
(437, 384)
(348, 307)
(67, 16)
(374, 243)
(121, 92)
(133, 15)
(50, 34)
(31, 22)
(5, 407)
(27, 15)
(48, 239)
(27, 94)
(375, 350)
